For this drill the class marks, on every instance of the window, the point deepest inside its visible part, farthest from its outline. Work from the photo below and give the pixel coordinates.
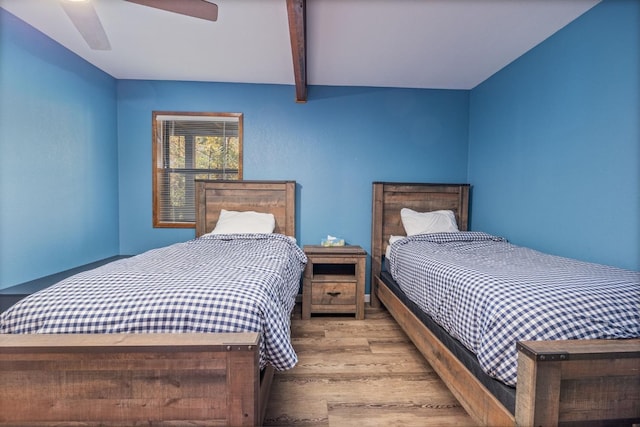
(187, 146)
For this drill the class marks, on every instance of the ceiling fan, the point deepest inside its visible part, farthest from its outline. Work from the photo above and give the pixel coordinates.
(83, 15)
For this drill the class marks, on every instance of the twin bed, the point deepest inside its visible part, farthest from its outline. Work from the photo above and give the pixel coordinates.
(93, 370)
(474, 304)
(189, 333)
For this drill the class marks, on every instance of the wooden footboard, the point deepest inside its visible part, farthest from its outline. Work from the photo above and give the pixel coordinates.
(578, 382)
(131, 379)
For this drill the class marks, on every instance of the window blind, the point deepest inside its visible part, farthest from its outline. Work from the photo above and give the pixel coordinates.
(190, 146)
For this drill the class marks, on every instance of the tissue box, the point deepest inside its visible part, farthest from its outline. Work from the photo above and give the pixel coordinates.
(332, 242)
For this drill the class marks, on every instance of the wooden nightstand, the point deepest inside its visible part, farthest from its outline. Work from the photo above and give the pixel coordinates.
(334, 280)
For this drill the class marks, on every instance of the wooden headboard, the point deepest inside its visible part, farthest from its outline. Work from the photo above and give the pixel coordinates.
(390, 197)
(276, 197)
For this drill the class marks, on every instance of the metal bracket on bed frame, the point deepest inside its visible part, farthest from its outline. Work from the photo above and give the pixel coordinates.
(544, 356)
(239, 347)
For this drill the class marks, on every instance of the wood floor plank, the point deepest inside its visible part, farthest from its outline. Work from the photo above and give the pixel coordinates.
(357, 362)
(406, 415)
(389, 388)
(391, 347)
(359, 372)
(323, 344)
(300, 412)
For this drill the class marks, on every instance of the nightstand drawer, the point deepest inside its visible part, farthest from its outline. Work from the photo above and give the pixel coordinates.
(333, 293)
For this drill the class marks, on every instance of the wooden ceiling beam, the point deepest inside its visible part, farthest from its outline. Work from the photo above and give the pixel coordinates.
(296, 10)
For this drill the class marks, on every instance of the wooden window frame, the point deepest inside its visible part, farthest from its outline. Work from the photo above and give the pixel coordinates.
(160, 161)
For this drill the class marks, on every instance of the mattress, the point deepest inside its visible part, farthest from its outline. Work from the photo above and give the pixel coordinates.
(488, 294)
(215, 283)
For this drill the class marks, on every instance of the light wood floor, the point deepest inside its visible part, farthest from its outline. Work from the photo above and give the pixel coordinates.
(364, 373)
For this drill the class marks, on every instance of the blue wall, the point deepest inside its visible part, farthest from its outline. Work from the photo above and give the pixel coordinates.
(334, 147)
(554, 145)
(58, 167)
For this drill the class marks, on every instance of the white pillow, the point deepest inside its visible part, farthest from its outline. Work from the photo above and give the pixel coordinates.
(428, 222)
(392, 239)
(231, 222)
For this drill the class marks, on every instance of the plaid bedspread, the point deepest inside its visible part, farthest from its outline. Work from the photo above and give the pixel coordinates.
(216, 283)
(489, 294)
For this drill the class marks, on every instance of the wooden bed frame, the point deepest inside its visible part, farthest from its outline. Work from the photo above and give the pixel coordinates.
(152, 379)
(579, 382)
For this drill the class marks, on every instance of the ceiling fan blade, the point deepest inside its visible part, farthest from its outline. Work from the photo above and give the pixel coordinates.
(85, 19)
(196, 8)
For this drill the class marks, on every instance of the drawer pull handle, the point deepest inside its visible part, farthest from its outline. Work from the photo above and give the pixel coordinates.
(333, 294)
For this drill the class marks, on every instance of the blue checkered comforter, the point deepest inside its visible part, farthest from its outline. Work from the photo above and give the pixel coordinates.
(489, 294)
(223, 283)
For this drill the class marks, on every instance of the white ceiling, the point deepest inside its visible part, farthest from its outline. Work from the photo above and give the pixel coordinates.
(444, 44)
